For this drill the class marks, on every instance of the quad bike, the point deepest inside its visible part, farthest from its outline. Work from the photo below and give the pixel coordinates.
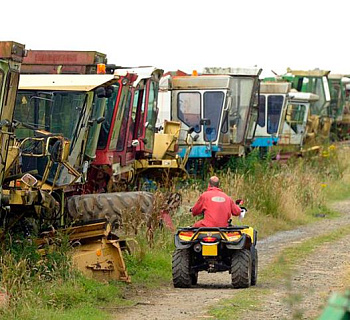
(231, 249)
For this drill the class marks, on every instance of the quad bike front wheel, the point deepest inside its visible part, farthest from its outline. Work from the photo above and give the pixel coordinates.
(241, 269)
(182, 277)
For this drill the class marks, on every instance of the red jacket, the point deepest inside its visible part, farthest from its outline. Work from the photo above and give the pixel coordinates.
(217, 208)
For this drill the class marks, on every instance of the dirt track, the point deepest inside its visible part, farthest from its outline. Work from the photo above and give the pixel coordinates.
(319, 274)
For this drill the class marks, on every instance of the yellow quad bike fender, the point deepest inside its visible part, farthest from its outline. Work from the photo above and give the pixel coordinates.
(235, 237)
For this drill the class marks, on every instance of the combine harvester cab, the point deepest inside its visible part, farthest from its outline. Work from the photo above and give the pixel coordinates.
(133, 120)
(54, 112)
(272, 102)
(340, 105)
(221, 107)
(316, 82)
(298, 131)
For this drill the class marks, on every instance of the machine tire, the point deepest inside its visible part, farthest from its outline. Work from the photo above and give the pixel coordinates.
(194, 278)
(241, 269)
(182, 277)
(254, 253)
(116, 207)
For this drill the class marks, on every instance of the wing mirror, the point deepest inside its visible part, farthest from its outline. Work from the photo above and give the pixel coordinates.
(190, 130)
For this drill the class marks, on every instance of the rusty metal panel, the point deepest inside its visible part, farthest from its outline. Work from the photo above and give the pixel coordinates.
(12, 50)
(59, 57)
(61, 61)
(57, 69)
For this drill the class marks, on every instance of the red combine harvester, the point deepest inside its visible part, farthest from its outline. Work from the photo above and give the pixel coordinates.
(135, 115)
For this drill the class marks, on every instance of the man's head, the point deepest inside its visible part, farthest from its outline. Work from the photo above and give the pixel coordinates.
(214, 181)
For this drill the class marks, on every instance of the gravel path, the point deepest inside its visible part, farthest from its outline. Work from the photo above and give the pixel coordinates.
(315, 277)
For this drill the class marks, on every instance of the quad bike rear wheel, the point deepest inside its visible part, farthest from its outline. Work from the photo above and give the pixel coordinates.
(241, 269)
(194, 278)
(254, 253)
(182, 277)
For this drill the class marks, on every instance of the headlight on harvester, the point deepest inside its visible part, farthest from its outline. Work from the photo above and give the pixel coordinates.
(233, 236)
(186, 235)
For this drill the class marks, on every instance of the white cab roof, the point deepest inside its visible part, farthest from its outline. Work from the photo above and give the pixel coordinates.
(233, 71)
(141, 72)
(74, 82)
(303, 96)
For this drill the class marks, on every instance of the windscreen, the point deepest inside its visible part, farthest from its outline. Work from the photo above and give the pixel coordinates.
(98, 110)
(189, 109)
(294, 121)
(274, 109)
(57, 112)
(151, 114)
(241, 95)
(261, 114)
(213, 102)
(123, 118)
(108, 115)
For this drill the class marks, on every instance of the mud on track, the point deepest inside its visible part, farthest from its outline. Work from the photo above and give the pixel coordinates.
(319, 274)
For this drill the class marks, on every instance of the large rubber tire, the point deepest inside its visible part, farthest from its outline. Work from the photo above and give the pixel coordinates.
(241, 269)
(116, 207)
(254, 253)
(181, 269)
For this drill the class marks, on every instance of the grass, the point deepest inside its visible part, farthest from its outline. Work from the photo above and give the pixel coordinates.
(278, 197)
(278, 273)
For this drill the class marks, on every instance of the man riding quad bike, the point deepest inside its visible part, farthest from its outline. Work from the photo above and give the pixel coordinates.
(213, 245)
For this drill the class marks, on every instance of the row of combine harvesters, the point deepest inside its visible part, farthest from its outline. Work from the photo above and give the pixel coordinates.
(81, 139)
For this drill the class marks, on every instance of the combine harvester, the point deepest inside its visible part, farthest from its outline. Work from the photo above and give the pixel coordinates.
(340, 106)
(219, 107)
(272, 101)
(285, 125)
(316, 82)
(307, 117)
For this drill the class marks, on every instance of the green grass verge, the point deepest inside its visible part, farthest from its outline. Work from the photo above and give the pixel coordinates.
(277, 271)
(75, 298)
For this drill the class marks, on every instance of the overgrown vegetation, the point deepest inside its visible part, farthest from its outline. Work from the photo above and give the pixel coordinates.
(277, 195)
(278, 273)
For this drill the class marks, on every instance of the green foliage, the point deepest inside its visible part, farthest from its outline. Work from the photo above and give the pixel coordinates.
(45, 285)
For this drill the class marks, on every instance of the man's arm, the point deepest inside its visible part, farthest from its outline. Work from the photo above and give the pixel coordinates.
(198, 207)
(235, 210)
